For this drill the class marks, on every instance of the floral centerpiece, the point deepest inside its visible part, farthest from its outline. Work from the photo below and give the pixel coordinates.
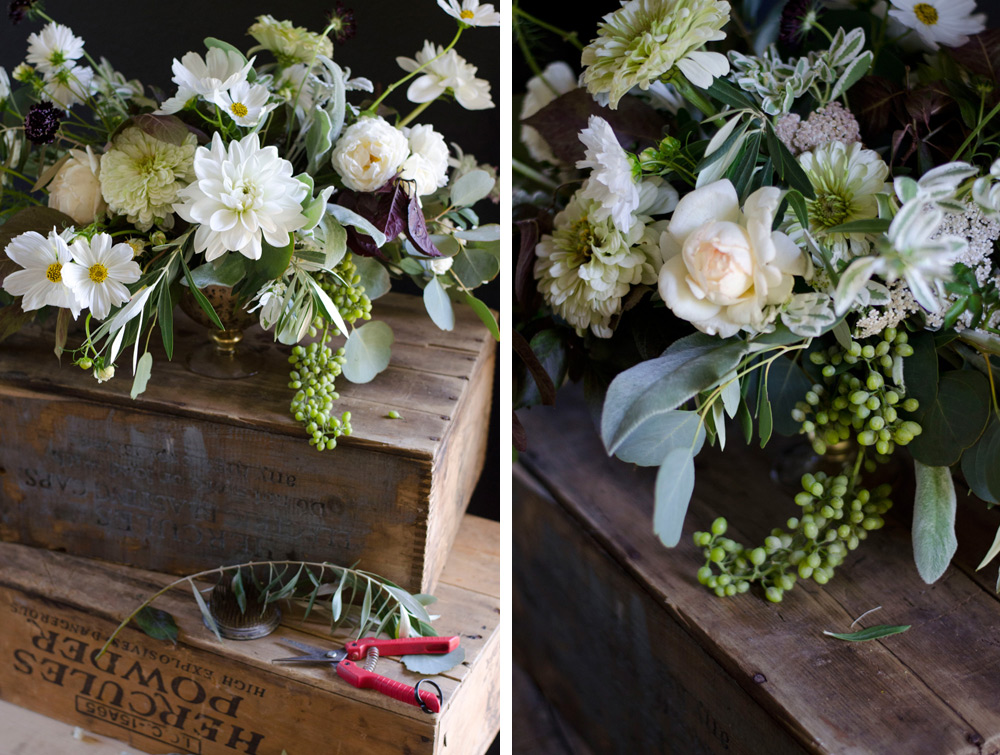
(271, 174)
(781, 217)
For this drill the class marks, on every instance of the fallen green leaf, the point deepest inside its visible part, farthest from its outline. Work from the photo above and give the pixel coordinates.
(871, 633)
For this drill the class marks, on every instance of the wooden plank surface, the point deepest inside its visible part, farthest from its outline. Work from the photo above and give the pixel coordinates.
(47, 644)
(930, 690)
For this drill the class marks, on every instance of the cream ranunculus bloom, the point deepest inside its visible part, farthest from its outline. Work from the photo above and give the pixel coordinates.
(76, 189)
(726, 270)
(369, 153)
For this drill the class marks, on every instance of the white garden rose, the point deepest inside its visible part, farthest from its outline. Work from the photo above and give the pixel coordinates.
(76, 189)
(369, 153)
(427, 164)
(726, 270)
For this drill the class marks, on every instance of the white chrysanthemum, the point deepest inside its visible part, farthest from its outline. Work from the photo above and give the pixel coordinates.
(53, 47)
(427, 164)
(586, 267)
(245, 103)
(451, 72)
(239, 195)
(471, 12)
(289, 44)
(98, 273)
(557, 79)
(610, 184)
(204, 77)
(369, 153)
(939, 22)
(140, 176)
(40, 281)
(846, 178)
(69, 86)
(645, 39)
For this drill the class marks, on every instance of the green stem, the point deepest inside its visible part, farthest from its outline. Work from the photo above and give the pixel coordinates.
(975, 132)
(414, 113)
(692, 95)
(566, 36)
(528, 56)
(373, 108)
(534, 175)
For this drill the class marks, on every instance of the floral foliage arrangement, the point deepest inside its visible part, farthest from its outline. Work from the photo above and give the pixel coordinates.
(275, 174)
(783, 214)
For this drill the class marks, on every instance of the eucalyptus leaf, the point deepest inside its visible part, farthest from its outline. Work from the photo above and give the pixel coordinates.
(438, 305)
(374, 277)
(650, 443)
(691, 365)
(474, 267)
(433, 664)
(934, 503)
(787, 383)
(485, 314)
(482, 233)
(367, 351)
(674, 485)
(870, 633)
(351, 218)
(157, 624)
(981, 463)
(953, 420)
(471, 187)
(228, 272)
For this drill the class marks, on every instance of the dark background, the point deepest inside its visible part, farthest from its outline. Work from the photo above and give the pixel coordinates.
(141, 39)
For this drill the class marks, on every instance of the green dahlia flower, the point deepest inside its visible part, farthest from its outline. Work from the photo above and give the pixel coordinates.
(645, 39)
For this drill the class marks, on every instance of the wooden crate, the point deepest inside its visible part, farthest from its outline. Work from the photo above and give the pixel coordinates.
(199, 472)
(213, 698)
(638, 657)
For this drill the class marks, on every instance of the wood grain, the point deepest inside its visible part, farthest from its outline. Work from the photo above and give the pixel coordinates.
(210, 697)
(196, 472)
(929, 690)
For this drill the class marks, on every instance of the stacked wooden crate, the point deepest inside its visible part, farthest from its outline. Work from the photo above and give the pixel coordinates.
(638, 657)
(198, 473)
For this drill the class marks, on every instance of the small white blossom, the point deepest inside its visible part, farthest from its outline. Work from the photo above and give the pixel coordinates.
(471, 12)
(40, 281)
(245, 103)
(610, 183)
(98, 273)
(205, 77)
(69, 85)
(53, 47)
(448, 73)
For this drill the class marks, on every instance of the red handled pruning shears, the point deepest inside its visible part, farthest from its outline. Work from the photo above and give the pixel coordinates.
(365, 677)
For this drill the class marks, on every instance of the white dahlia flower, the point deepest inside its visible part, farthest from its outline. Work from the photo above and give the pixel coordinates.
(610, 183)
(240, 195)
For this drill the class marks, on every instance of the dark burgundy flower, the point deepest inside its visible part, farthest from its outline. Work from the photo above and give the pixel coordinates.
(797, 18)
(17, 9)
(42, 122)
(341, 19)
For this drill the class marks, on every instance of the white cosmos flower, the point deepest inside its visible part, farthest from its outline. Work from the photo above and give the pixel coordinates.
(53, 47)
(939, 22)
(239, 195)
(98, 273)
(471, 12)
(69, 85)
(451, 72)
(611, 183)
(205, 77)
(40, 282)
(245, 103)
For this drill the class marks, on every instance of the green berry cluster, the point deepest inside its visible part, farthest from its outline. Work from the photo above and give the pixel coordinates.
(351, 300)
(836, 517)
(314, 369)
(858, 398)
(858, 404)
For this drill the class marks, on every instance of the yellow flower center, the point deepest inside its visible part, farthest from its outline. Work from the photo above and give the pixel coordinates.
(926, 14)
(54, 272)
(372, 159)
(239, 109)
(98, 273)
(467, 14)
